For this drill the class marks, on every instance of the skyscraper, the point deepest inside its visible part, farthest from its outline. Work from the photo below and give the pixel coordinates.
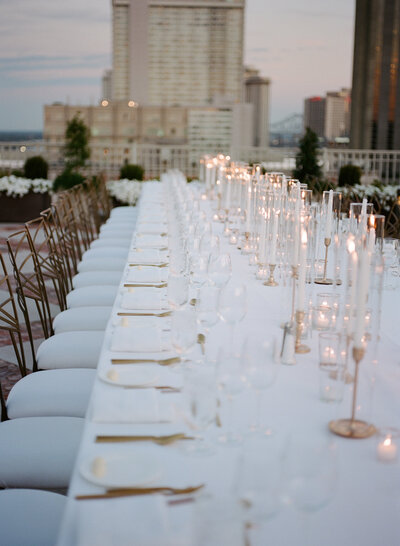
(257, 94)
(178, 53)
(375, 109)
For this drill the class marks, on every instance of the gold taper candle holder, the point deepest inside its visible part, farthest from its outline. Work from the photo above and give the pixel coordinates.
(353, 428)
(323, 279)
(271, 281)
(246, 248)
(300, 348)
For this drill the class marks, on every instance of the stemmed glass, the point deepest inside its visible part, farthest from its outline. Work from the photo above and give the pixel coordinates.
(198, 272)
(311, 473)
(183, 330)
(200, 385)
(232, 307)
(206, 309)
(231, 382)
(219, 269)
(260, 368)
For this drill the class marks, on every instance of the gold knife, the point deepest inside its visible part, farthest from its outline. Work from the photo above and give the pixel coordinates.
(135, 491)
(149, 265)
(162, 440)
(162, 361)
(135, 285)
(162, 314)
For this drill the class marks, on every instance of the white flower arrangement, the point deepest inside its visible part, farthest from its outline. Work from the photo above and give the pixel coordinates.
(386, 195)
(125, 191)
(13, 186)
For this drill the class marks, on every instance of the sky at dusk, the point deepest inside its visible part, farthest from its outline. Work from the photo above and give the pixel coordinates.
(57, 51)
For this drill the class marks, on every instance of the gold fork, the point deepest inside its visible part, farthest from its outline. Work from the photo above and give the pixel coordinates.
(162, 362)
(135, 491)
(160, 440)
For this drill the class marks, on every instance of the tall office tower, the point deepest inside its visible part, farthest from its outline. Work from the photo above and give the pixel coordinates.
(375, 109)
(178, 53)
(337, 114)
(106, 85)
(257, 94)
(314, 115)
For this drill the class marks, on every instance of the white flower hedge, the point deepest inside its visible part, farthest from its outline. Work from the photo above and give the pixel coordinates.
(125, 191)
(14, 186)
(385, 196)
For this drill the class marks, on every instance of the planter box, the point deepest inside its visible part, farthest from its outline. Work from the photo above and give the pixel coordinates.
(23, 209)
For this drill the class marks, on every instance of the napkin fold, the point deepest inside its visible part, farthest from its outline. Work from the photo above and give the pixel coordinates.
(111, 405)
(146, 240)
(146, 275)
(137, 339)
(147, 256)
(146, 298)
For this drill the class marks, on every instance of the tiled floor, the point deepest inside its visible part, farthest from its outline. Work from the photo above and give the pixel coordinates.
(9, 371)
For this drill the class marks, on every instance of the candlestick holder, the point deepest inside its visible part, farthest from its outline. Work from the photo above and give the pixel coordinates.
(353, 428)
(294, 277)
(246, 248)
(262, 272)
(300, 348)
(323, 279)
(271, 281)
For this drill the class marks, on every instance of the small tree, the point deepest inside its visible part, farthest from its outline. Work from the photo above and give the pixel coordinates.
(131, 172)
(76, 150)
(36, 167)
(307, 167)
(349, 175)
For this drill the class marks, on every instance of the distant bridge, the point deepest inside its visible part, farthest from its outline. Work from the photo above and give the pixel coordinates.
(293, 124)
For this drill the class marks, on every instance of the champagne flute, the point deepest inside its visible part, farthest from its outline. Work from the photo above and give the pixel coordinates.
(219, 269)
(183, 330)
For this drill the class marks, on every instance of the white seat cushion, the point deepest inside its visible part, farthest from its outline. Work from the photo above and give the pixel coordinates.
(111, 243)
(39, 452)
(90, 296)
(51, 393)
(70, 350)
(95, 278)
(117, 234)
(126, 210)
(82, 318)
(29, 517)
(106, 252)
(118, 227)
(102, 264)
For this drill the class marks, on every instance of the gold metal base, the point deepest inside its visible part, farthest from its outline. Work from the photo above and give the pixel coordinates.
(320, 280)
(270, 282)
(302, 349)
(347, 428)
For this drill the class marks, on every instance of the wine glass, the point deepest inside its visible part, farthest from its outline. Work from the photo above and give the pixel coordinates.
(200, 386)
(231, 382)
(206, 310)
(178, 290)
(209, 244)
(219, 269)
(260, 369)
(183, 330)
(198, 272)
(232, 307)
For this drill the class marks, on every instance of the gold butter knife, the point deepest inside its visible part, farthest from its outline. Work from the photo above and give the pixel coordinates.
(161, 440)
(135, 285)
(149, 265)
(162, 314)
(162, 361)
(135, 491)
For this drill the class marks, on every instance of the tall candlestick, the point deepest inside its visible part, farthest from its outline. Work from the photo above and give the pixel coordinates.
(353, 289)
(272, 259)
(248, 209)
(302, 271)
(362, 296)
(328, 225)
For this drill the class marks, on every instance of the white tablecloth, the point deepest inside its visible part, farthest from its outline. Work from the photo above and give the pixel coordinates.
(365, 507)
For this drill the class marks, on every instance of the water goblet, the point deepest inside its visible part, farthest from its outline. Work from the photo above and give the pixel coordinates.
(219, 269)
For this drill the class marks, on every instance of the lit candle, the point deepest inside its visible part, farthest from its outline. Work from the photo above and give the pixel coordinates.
(228, 191)
(328, 225)
(363, 216)
(387, 450)
(302, 271)
(362, 296)
(263, 236)
(353, 282)
(371, 234)
(248, 209)
(272, 259)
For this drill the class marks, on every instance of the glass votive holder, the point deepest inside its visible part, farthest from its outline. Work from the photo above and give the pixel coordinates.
(387, 449)
(322, 318)
(331, 371)
(331, 301)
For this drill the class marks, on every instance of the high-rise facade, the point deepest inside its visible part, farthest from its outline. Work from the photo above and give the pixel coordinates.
(329, 116)
(375, 110)
(257, 94)
(314, 115)
(178, 53)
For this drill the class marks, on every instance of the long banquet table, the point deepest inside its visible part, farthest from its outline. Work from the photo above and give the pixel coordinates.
(365, 505)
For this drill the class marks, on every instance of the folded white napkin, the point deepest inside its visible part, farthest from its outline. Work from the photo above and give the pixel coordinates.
(144, 298)
(147, 256)
(146, 240)
(117, 405)
(103, 522)
(137, 339)
(151, 228)
(146, 275)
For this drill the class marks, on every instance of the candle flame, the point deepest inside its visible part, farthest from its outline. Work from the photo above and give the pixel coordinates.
(372, 221)
(351, 246)
(304, 237)
(387, 442)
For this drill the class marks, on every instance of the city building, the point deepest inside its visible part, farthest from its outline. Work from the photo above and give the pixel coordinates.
(178, 53)
(257, 94)
(375, 115)
(314, 115)
(329, 116)
(106, 85)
